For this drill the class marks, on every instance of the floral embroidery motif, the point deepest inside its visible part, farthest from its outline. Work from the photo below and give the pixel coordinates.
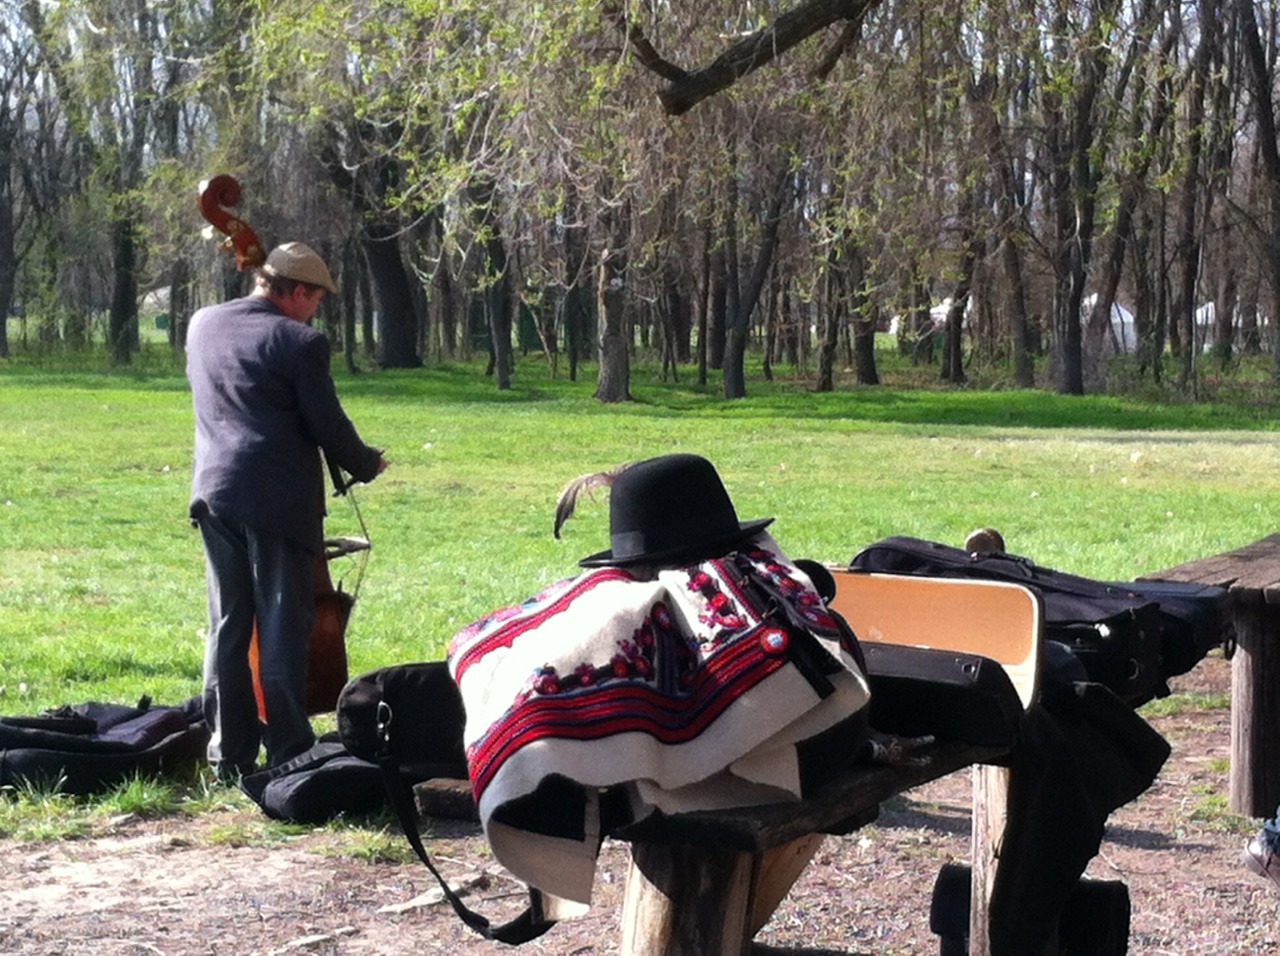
(660, 653)
(722, 615)
(804, 600)
(636, 658)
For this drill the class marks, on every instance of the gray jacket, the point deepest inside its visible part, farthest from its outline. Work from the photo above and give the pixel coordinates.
(265, 403)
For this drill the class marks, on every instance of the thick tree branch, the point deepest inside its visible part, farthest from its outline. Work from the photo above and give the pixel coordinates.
(641, 47)
(848, 37)
(752, 52)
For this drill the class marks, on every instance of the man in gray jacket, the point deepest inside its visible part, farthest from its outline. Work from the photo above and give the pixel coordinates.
(265, 405)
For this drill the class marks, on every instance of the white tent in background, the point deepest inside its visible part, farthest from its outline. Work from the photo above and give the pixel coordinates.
(1124, 332)
(1206, 333)
(937, 317)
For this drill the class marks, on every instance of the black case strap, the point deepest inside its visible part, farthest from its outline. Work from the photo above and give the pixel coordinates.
(530, 924)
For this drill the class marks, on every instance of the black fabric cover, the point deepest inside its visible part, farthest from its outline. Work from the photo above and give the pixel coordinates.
(1094, 920)
(90, 747)
(1130, 636)
(318, 785)
(1082, 753)
(919, 691)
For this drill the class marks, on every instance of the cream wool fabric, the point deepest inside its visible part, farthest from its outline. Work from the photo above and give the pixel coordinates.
(674, 683)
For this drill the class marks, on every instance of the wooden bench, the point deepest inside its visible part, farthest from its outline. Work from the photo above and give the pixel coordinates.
(1251, 576)
(705, 883)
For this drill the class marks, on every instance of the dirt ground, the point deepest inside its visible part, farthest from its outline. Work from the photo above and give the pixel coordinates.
(162, 887)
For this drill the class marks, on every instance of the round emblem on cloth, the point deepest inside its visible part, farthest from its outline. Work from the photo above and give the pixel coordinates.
(774, 640)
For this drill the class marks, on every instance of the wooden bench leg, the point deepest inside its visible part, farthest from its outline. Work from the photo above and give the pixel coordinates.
(695, 901)
(990, 819)
(1255, 709)
(686, 901)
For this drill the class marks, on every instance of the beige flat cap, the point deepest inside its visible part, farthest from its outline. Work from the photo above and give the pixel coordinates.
(298, 261)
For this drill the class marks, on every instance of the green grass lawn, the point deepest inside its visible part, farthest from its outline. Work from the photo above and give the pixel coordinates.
(102, 579)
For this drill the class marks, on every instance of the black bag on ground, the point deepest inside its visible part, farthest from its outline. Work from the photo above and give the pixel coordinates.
(90, 747)
(341, 773)
(318, 785)
(409, 720)
(1129, 636)
(427, 719)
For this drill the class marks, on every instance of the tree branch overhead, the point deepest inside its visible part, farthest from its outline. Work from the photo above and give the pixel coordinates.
(687, 88)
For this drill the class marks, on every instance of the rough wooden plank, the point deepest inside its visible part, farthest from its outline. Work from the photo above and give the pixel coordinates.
(859, 789)
(1256, 566)
(990, 819)
(1251, 575)
(445, 797)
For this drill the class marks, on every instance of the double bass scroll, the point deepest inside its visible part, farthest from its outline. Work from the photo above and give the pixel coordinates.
(216, 194)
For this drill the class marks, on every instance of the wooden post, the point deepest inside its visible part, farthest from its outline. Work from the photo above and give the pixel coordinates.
(736, 894)
(659, 915)
(990, 821)
(1252, 577)
(778, 871)
(990, 817)
(1255, 706)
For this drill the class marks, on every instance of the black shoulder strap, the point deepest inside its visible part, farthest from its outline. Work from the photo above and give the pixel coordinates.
(530, 924)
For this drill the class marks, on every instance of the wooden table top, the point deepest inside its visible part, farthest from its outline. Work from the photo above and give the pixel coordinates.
(1253, 568)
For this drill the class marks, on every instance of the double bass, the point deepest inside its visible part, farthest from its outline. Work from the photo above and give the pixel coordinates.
(327, 669)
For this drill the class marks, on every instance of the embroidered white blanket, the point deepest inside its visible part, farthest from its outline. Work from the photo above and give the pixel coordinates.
(689, 685)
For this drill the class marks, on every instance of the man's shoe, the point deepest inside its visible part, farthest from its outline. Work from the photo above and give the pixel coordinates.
(1260, 859)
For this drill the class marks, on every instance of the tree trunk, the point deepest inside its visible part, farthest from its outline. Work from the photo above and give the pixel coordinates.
(8, 270)
(1190, 208)
(397, 326)
(735, 384)
(614, 384)
(704, 305)
(351, 305)
(8, 252)
(717, 315)
(828, 343)
(576, 302)
(1261, 81)
(500, 306)
(122, 322)
(181, 303)
(857, 304)
(1224, 313)
(970, 249)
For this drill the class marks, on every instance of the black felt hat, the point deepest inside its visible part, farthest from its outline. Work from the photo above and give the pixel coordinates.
(671, 508)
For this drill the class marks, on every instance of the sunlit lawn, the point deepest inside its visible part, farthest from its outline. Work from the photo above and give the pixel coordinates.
(101, 577)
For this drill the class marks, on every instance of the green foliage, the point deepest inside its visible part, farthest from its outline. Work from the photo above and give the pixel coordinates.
(367, 843)
(258, 832)
(1211, 811)
(40, 811)
(143, 796)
